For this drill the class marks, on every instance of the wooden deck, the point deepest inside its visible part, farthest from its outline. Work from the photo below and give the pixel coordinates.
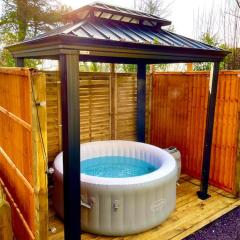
(190, 215)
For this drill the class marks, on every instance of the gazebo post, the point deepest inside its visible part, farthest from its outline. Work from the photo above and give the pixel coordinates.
(213, 83)
(19, 62)
(69, 70)
(141, 101)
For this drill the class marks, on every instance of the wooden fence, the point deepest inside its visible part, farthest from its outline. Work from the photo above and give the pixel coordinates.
(22, 167)
(178, 116)
(177, 103)
(107, 108)
(176, 106)
(6, 232)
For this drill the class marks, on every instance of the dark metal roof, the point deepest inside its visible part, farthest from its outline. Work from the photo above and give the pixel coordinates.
(107, 11)
(125, 32)
(115, 38)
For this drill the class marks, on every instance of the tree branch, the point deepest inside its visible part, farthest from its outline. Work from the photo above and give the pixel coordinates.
(232, 15)
(8, 4)
(238, 3)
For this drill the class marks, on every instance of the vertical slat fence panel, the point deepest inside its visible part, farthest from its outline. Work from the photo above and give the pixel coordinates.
(226, 125)
(179, 104)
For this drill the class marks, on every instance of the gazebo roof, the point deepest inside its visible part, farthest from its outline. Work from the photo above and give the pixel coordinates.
(102, 32)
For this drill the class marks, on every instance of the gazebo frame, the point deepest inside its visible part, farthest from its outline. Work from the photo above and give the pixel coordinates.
(69, 50)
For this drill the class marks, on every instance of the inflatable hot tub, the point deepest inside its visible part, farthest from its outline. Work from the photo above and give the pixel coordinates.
(118, 206)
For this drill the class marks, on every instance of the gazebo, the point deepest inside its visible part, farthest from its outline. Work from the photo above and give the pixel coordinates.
(104, 33)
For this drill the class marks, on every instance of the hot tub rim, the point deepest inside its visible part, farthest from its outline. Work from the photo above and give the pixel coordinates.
(169, 166)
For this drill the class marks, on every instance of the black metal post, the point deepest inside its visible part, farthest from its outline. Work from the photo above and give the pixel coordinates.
(19, 62)
(141, 101)
(203, 193)
(69, 70)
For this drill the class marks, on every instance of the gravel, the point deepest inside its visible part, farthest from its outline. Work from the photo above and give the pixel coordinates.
(226, 227)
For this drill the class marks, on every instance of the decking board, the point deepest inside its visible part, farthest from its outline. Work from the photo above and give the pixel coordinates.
(190, 215)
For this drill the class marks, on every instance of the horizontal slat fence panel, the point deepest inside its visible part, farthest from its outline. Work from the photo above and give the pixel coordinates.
(178, 117)
(53, 114)
(16, 162)
(94, 94)
(126, 106)
(95, 108)
(126, 92)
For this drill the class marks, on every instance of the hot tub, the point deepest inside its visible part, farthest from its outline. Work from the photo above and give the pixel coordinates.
(119, 206)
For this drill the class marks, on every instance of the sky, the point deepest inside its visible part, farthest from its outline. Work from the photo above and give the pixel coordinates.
(181, 11)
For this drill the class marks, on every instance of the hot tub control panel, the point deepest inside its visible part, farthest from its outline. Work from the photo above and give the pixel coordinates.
(177, 156)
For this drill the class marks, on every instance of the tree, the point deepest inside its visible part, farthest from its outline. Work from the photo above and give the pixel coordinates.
(21, 19)
(231, 33)
(210, 40)
(238, 3)
(156, 7)
(206, 21)
(94, 67)
(220, 27)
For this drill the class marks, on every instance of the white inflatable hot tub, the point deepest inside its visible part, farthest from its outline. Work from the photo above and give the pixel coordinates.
(122, 206)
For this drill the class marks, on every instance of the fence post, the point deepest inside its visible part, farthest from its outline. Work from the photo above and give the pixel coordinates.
(39, 139)
(5, 218)
(189, 67)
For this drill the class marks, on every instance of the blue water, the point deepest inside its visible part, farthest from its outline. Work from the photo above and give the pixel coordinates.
(116, 167)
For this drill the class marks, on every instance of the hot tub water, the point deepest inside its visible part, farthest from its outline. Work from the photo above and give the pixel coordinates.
(116, 167)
